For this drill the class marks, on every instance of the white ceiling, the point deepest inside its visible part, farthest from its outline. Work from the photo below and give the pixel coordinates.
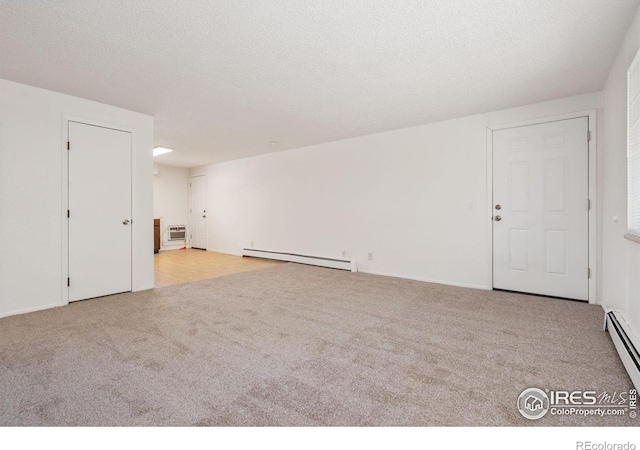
(225, 78)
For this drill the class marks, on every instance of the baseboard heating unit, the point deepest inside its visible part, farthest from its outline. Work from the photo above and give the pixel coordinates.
(626, 344)
(333, 263)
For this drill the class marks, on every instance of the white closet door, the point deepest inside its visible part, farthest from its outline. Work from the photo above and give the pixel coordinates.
(99, 211)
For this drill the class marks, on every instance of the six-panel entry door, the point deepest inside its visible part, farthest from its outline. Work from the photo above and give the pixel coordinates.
(99, 211)
(540, 209)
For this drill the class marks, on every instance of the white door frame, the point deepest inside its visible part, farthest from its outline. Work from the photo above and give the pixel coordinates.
(593, 192)
(206, 228)
(65, 198)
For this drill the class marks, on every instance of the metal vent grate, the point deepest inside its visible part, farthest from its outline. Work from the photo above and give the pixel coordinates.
(623, 339)
(177, 232)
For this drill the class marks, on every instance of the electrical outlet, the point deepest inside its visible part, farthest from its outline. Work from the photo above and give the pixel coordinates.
(370, 256)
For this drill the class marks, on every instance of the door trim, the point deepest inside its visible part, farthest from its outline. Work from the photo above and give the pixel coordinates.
(65, 197)
(591, 115)
(206, 228)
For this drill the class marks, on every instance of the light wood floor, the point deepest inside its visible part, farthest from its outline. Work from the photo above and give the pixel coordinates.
(183, 266)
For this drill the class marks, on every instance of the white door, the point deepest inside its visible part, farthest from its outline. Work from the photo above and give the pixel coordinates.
(99, 211)
(540, 209)
(198, 210)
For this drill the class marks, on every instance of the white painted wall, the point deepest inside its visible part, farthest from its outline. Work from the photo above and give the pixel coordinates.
(171, 202)
(621, 257)
(416, 198)
(32, 136)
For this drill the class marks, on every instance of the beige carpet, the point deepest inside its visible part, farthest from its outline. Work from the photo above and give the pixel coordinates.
(298, 345)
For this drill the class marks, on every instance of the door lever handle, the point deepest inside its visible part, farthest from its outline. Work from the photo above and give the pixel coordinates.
(125, 222)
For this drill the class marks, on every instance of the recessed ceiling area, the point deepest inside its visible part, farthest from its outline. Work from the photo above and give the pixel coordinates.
(229, 80)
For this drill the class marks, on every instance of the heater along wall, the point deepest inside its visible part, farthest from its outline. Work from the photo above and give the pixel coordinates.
(174, 236)
(177, 232)
(626, 344)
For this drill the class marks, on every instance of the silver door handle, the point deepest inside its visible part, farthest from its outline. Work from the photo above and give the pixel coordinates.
(498, 218)
(125, 222)
(204, 217)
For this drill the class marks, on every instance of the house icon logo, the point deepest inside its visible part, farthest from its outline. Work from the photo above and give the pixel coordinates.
(533, 403)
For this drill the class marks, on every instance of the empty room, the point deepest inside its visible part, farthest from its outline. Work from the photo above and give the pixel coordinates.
(320, 213)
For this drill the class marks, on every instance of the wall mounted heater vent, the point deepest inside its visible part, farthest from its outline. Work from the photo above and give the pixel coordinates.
(333, 263)
(177, 232)
(626, 344)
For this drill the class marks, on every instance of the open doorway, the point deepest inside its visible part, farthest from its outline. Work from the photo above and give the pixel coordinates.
(180, 225)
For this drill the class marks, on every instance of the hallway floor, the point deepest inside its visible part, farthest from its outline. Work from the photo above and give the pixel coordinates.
(184, 266)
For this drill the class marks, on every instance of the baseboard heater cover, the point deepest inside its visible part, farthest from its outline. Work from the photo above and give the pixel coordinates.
(343, 264)
(626, 344)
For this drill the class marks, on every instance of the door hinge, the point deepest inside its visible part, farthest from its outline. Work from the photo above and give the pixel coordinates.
(589, 272)
(68, 281)
(589, 136)
(588, 204)
(190, 236)
(68, 213)
(68, 145)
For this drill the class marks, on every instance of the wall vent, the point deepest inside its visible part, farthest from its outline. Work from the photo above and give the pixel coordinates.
(332, 263)
(626, 344)
(177, 232)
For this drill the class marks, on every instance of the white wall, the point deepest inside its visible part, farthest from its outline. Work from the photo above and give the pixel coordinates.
(416, 198)
(621, 257)
(171, 202)
(32, 136)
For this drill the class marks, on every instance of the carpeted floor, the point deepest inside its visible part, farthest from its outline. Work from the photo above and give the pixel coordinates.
(299, 345)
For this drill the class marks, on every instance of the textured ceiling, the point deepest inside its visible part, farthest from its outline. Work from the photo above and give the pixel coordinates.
(225, 78)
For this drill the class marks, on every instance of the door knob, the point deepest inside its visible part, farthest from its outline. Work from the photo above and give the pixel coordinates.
(498, 218)
(204, 217)
(498, 207)
(125, 222)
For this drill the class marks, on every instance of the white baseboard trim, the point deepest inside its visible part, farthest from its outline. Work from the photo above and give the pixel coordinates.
(428, 280)
(28, 310)
(143, 288)
(321, 261)
(224, 252)
(165, 248)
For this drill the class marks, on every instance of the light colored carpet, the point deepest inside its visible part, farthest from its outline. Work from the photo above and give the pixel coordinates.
(299, 345)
